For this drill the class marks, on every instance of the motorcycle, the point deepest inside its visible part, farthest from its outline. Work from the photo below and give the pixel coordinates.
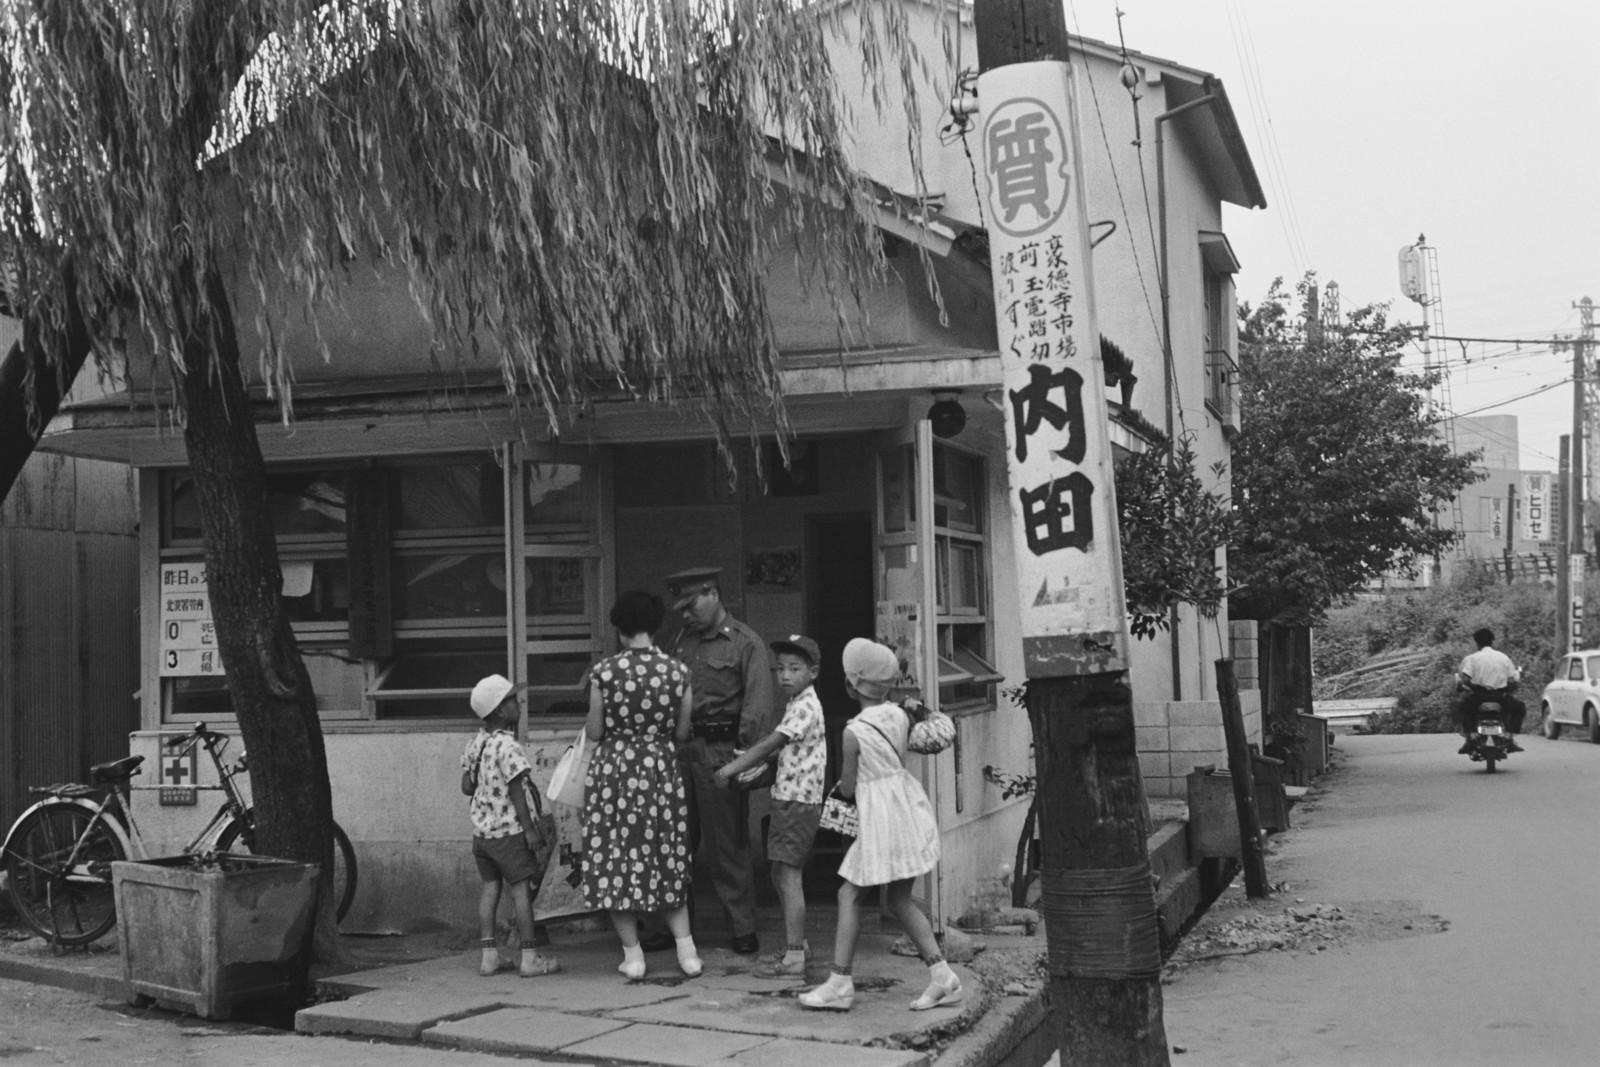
(1489, 740)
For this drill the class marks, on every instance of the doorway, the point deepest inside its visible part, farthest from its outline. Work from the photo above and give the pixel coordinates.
(840, 605)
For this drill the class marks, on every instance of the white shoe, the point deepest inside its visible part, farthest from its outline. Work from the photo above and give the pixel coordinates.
(830, 997)
(939, 995)
(632, 965)
(689, 958)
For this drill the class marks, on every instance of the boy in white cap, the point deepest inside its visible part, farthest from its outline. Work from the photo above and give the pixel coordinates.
(495, 773)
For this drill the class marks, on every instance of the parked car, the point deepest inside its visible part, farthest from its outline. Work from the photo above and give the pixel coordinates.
(1573, 697)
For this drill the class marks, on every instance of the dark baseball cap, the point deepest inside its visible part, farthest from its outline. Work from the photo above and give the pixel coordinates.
(801, 646)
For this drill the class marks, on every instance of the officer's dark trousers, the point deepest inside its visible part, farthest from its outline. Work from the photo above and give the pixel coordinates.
(719, 820)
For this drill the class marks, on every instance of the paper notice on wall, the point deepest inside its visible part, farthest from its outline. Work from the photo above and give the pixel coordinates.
(900, 628)
(297, 575)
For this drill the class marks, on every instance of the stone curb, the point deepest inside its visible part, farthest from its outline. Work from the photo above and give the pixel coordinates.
(1008, 1027)
(109, 986)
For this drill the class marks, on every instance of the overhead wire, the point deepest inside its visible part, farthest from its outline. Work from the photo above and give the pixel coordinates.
(1116, 179)
(1169, 376)
(1260, 118)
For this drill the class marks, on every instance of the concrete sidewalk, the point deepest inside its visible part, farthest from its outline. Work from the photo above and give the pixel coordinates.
(726, 1016)
(423, 990)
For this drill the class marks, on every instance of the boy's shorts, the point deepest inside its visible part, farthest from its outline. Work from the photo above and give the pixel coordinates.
(506, 859)
(793, 828)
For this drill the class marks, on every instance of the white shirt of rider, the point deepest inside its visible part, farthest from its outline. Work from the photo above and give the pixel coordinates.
(1490, 668)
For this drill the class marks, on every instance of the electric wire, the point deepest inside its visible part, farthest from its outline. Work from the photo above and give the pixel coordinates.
(1278, 177)
(1116, 178)
(1168, 371)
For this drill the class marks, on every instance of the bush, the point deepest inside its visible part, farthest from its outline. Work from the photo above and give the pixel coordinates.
(1434, 626)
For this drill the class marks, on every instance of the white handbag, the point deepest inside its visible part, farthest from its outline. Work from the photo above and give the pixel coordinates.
(566, 781)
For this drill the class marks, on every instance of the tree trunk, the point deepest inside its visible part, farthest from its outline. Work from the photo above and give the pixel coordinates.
(1097, 900)
(33, 382)
(267, 679)
(1285, 666)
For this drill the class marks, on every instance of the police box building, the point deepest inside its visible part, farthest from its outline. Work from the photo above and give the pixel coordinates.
(430, 537)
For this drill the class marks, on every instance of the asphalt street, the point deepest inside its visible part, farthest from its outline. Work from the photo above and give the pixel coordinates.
(1472, 935)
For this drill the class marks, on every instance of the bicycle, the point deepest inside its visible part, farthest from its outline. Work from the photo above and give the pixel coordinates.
(58, 854)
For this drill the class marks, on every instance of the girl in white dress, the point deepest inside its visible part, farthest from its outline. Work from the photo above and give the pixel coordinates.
(899, 833)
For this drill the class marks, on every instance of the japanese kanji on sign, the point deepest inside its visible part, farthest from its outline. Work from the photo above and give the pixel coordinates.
(1059, 457)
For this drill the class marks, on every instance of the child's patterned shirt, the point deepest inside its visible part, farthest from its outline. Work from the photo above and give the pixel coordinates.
(495, 760)
(803, 761)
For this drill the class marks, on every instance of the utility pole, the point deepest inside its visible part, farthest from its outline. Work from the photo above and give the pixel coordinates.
(1098, 900)
(1511, 529)
(1572, 531)
(1563, 554)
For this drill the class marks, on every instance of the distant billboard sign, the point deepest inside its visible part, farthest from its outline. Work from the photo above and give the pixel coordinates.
(1536, 524)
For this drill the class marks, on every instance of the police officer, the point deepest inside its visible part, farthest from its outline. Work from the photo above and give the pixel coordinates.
(734, 707)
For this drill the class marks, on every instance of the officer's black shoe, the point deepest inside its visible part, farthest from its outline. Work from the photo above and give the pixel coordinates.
(746, 944)
(1466, 748)
(1512, 746)
(657, 942)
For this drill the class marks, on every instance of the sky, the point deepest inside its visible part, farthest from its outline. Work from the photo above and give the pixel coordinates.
(1373, 123)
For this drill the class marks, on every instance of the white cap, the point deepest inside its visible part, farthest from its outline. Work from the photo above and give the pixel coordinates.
(490, 693)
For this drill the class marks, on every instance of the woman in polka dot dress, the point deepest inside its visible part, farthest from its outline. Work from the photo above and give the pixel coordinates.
(636, 816)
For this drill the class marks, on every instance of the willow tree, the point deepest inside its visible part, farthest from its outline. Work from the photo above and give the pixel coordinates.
(590, 191)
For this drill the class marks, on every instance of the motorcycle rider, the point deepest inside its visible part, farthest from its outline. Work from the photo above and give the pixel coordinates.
(1489, 674)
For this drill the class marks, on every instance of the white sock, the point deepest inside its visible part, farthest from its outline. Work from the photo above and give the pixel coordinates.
(632, 961)
(688, 956)
(940, 972)
(841, 983)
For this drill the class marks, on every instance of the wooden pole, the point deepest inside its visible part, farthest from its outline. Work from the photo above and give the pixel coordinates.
(1241, 767)
(1511, 526)
(1098, 900)
(1563, 591)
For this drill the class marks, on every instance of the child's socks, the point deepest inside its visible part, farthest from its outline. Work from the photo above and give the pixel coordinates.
(943, 987)
(489, 960)
(533, 964)
(688, 957)
(632, 965)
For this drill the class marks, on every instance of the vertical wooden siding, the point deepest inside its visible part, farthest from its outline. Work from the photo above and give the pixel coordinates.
(68, 623)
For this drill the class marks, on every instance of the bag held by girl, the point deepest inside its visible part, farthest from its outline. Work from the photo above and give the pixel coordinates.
(566, 782)
(934, 733)
(840, 815)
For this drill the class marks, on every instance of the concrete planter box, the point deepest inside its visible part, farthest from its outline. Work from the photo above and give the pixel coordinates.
(202, 933)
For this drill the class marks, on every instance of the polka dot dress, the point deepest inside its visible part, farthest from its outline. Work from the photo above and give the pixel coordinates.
(636, 817)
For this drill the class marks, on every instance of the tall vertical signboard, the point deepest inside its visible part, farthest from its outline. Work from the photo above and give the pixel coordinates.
(1062, 504)
(1536, 507)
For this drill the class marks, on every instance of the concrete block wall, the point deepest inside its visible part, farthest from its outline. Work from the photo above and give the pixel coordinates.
(1176, 736)
(1244, 647)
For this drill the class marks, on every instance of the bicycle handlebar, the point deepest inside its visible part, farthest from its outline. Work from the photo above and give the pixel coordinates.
(200, 733)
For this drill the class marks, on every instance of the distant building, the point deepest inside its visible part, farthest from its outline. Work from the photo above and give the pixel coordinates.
(1511, 510)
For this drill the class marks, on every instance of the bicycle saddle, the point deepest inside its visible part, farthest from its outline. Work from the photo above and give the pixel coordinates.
(115, 771)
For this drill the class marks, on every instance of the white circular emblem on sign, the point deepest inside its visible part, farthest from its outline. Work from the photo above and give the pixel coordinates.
(1025, 153)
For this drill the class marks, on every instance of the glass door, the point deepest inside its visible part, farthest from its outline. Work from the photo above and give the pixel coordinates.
(903, 542)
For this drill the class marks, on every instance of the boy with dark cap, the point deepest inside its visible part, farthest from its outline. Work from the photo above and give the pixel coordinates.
(801, 748)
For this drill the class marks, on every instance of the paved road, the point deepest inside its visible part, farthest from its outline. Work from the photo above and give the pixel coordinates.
(1509, 862)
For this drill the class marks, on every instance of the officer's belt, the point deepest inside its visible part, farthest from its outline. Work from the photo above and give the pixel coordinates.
(724, 729)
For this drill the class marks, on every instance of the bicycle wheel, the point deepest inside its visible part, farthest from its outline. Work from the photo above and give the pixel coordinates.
(239, 834)
(59, 873)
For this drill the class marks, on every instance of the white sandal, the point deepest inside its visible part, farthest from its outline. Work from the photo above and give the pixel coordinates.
(826, 997)
(938, 996)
